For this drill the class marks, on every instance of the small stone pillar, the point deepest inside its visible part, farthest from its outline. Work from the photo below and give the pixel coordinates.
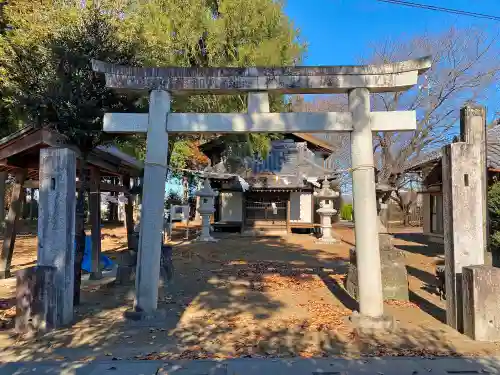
(35, 299)
(481, 299)
(326, 198)
(206, 210)
(56, 225)
(464, 215)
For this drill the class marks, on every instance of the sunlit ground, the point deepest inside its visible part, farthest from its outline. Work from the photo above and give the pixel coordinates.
(273, 297)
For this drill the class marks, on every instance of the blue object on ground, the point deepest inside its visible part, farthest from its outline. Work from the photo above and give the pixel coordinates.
(87, 263)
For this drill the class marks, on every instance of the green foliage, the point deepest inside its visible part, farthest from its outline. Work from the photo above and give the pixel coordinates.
(494, 214)
(346, 212)
(180, 154)
(54, 83)
(45, 75)
(210, 33)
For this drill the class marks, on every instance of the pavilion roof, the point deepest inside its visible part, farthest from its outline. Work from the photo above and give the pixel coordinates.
(21, 150)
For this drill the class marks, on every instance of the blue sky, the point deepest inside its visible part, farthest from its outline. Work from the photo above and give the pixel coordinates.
(341, 31)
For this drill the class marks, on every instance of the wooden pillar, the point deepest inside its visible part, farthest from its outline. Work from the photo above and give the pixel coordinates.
(32, 203)
(3, 183)
(9, 241)
(243, 211)
(129, 214)
(288, 229)
(95, 223)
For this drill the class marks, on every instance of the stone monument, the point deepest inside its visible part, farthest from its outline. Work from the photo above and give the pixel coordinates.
(206, 209)
(464, 211)
(56, 226)
(326, 196)
(394, 274)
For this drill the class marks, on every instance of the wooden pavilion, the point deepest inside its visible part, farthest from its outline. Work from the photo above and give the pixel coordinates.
(20, 157)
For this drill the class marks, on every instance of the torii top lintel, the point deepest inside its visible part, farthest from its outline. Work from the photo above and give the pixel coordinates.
(390, 77)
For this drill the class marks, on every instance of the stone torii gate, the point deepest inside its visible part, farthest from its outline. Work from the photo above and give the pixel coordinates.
(357, 81)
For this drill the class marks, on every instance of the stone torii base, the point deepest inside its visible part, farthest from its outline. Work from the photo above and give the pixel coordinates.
(394, 274)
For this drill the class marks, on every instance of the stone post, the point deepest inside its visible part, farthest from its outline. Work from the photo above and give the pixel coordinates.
(463, 219)
(56, 225)
(364, 202)
(481, 298)
(473, 132)
(35, 299)
(150, 236)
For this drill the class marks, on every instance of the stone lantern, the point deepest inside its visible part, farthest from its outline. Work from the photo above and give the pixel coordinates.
(206, 209)
(326, 210)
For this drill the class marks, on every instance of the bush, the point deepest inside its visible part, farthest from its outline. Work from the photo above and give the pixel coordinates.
(346, 212)
(494, 215)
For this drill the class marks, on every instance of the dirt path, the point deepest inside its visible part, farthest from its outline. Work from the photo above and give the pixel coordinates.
(253, 296)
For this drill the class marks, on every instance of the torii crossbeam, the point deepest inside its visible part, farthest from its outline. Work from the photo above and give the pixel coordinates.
(357, 81)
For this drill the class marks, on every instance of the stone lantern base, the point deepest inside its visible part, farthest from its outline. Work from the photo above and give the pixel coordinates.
(394, 274)
(209, 238)
(326, 241)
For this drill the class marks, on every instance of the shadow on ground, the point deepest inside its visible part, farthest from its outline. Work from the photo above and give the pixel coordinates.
(227, 301)
(420, 244)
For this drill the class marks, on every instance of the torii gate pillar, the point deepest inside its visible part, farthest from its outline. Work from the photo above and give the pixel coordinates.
(150, 235)
(356, 81)
(365, 204)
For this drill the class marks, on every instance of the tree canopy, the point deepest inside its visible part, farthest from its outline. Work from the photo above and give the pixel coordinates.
(134, 32)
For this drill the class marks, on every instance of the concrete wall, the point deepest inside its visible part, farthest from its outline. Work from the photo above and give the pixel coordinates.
(231, 206)
(301, 207)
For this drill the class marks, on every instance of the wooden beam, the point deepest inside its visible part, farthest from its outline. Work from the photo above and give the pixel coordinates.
(95, 223)
(11, 225)
(103, 187)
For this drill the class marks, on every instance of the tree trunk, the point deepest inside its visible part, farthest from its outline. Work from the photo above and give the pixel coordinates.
(406, 217)
(80, 230)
